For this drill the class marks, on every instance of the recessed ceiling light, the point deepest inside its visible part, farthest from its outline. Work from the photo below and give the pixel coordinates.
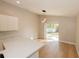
(44, 11)
(18, 2)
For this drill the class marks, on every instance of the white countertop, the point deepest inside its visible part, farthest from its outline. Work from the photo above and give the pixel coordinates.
(20, 48)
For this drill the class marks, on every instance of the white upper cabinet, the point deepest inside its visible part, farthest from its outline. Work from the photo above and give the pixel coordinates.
(8, 23)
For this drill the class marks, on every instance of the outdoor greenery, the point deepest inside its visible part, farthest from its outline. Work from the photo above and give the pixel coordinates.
(52, 27)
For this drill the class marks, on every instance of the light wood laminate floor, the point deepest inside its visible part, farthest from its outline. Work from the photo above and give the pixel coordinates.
(55, 49)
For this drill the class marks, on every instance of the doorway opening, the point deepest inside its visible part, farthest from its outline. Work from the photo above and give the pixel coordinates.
(52, 32)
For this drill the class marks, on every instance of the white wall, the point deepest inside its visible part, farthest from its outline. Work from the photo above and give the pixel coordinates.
(66, 27)
(28, 22)
(77, 34)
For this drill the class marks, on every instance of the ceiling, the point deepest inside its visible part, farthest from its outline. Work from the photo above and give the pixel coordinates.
(53, 7)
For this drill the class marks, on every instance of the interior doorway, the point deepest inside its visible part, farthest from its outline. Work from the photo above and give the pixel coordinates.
(52, 32)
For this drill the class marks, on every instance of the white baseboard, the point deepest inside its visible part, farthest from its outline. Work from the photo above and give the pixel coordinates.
(68, 42)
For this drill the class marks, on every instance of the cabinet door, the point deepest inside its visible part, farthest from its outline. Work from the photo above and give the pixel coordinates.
(8, 23)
